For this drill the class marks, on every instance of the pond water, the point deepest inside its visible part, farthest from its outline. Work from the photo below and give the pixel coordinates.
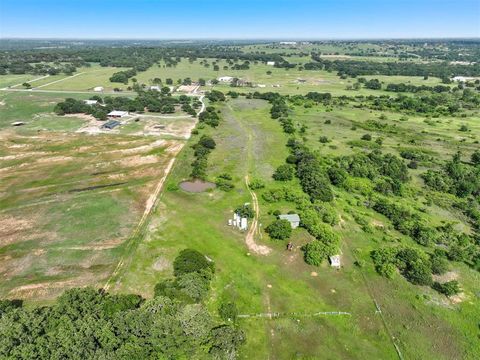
(196, 186)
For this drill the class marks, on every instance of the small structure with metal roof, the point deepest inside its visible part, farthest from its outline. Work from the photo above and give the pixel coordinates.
(117, 114)
(334, 261)
(293, 219)
(90, 102)
(111, 124)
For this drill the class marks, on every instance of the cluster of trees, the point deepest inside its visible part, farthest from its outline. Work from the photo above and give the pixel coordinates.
(209, 116)
(356, 68)
(388, 171)
(90, 324)
(123, 76)
(401, 87)
(152, 101)
(201, 151)
(22, 67)
(456, 177)
(280, 229)
(215, 95)
(446, 103)
(458, 246)
(316, 216)
(74, 106)
(415, 265)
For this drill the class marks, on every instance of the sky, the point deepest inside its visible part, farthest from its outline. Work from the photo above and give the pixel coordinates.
(239, 19)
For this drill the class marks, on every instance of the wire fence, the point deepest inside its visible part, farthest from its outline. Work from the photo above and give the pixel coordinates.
(293, 314)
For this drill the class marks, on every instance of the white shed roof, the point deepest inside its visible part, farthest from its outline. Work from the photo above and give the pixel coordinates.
(290, 217)
(117, 113)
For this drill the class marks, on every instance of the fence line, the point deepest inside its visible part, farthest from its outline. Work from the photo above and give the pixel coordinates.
(293, 314)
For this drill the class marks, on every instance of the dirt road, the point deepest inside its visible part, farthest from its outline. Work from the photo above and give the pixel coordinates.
(250, 238)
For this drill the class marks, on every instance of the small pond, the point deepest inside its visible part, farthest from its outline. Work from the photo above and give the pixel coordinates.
(196, 186)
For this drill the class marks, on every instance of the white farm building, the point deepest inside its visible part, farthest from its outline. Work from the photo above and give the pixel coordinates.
(271, 63)
(117, 114)
(335, 261)
(90, 102)
(98, 88)
(225, 78)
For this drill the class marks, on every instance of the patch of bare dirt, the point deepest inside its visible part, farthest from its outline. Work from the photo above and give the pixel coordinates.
(82, 116)
(138, 160)
(448, 276)
(11, 227)
(161, 264)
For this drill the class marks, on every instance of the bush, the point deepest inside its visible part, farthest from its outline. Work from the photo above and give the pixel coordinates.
(279, 229)
(284, 172)
(245, 211)
(366, 137)
(191, 261)
(324, 139)
(224, 185)
(315, 252)
(449, 288)
(228, 311)
(256, 184)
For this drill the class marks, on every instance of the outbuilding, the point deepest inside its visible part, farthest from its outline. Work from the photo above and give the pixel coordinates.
(90, 102)
(293, 219)
(111, 124)
(334, 261)
(225, 78)
(98, 88)
(154, 87)
(117, 114)
(271, 63)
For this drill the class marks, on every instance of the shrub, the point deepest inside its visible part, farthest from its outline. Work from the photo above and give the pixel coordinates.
(366, 137)
(449, 288)
(256, 183)
(191, 261)
(284, 172)
(228, 311)
(245, 211)
(315, 252)
(324, 139)
(279, 229)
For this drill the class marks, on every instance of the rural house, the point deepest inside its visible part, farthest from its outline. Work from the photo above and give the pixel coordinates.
(225, 79)
(111, 124)
(293, 219)
(117, 114)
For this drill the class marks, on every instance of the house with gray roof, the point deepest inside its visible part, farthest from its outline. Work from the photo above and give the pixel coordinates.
(293, 219)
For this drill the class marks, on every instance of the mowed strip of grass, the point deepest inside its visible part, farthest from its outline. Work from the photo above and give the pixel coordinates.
(68, 203)
(249, 142)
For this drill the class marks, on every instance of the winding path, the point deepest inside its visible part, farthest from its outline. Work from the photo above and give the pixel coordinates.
(250, 238)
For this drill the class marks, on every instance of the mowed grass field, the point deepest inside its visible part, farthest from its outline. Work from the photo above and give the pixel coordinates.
(68, 205)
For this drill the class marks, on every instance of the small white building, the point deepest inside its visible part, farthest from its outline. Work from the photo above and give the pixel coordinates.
(334, 261)
(244, 224)
(288, 43)
(462, 78)
(261, 85)
(225, 78)
(117, 114)
(293, 219)
(271, 63)
(90, 102)
(154, 87)
(98, 88)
